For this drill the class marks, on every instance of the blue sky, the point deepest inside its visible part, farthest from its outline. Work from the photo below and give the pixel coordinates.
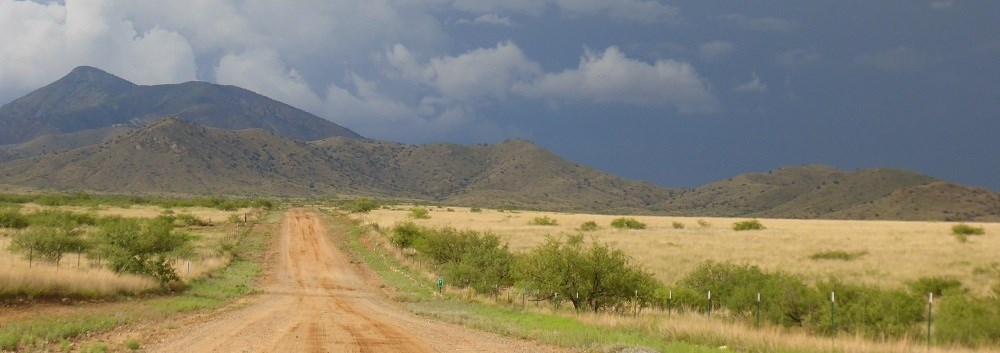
(675, 93)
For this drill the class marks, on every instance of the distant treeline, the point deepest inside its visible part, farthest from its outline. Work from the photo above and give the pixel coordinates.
(86, 199)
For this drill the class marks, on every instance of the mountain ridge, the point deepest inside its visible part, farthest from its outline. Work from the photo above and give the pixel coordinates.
(89, 98)
(177, 156)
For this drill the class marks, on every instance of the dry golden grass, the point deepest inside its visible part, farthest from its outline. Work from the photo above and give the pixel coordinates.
(46, 279)
(90, 280)
(898, 251)
(739, 336)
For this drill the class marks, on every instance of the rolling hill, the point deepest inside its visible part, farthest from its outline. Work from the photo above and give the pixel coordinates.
(176, 156)
(88, 98)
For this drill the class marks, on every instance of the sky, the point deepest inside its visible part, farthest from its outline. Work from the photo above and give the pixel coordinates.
(676, 93)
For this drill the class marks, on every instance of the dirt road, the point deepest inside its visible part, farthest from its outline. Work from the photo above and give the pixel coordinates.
(314, 300)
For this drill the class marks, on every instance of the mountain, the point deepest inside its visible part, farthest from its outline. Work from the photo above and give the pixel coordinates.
(176, 156)
(88, 98)
(818, 191)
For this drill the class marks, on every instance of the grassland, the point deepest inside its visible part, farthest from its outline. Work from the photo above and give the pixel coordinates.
(665, 331)
(46, 327)
(79, 277)
(895, 252)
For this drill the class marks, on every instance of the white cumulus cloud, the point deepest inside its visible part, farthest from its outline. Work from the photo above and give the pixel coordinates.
(611, 77)
(42, 42)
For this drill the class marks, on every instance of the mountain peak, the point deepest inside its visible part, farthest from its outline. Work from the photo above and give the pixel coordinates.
(90, 74)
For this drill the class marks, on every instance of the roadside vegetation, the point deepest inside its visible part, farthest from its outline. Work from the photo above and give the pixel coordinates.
(555, 280)
(138, 258)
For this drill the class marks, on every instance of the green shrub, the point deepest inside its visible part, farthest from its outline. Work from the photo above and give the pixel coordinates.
(937, 285)
(970, 321)
(595, 277)
(466, 258)
(627, 223)
(868, 310)
(677, 225)
(703, 223)
(785, 298)
(405, 234)
(838, 255)
(58, 218)
(965, 229)
(48, 243)
(362, 205)
(12, 218)
(419, 213)
(589, 226)
(141, 247)
(475, 210)
(188, 220)
(132, 344)
(543, 221)
(751, 224)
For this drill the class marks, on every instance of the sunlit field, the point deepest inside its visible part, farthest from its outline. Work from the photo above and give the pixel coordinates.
(889, 253)
(77, 275)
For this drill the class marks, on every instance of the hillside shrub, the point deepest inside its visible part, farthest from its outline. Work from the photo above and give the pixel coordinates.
(543, 221)
(589, 226)
(785, 298)
(419, 213)
(627, 223)
(838, 255)
(475, 210)
(677, 225)
(966, 320)
(362, 205)
(750, 224)
(965, 229)
(703, 223)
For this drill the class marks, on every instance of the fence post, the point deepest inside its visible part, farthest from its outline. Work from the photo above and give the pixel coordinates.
(670, 303)
(758, 309)
(709, 304)
(930, 304)
(833, 310)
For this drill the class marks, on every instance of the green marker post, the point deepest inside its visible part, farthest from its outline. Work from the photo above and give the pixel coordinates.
(440, 284)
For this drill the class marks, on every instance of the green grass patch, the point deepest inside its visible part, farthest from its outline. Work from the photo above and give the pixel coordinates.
(627, 223)
(838, 255)
(750, 224)
(965, 229)
(543, 221)
(589, 226)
